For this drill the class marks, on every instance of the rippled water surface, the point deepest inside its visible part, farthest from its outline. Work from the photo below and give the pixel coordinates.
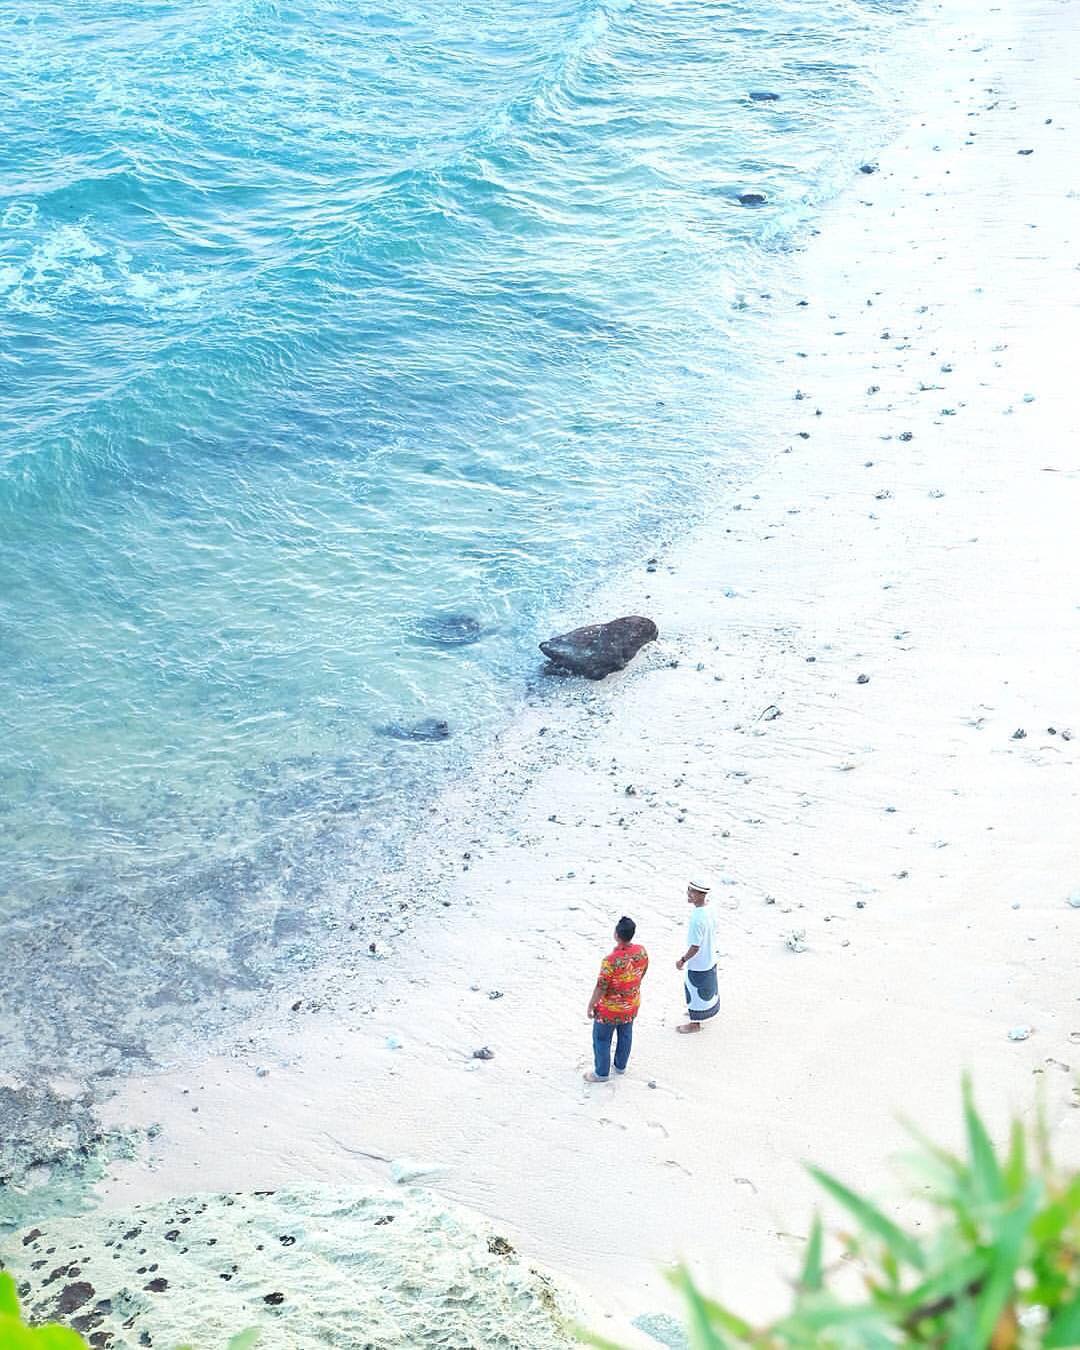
(337, 343)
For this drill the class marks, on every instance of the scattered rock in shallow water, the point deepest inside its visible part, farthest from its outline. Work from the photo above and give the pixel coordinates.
(796, 940)
(863, 679)
(485, 1052)
(426, 729)
(452, 629)
(907, 436)
(1025, 152)
(752, 199)
(598, 649)
(1019, 734)
(352, 1250)
(764, 96)
(868, 168)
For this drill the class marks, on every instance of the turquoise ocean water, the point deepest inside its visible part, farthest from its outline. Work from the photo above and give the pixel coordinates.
(322, 326)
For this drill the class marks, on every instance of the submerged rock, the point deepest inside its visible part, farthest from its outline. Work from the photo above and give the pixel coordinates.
(598, 649)
(664, 1329)
(425, 729)
(452, 629)
(752, 199)
(51, 1146)
(764, 96)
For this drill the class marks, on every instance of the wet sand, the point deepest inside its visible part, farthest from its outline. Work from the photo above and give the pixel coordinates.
(891, 856)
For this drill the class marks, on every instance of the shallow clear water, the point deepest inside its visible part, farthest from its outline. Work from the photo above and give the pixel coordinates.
(316, 323)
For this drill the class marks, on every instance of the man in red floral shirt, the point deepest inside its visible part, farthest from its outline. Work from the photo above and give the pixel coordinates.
(615, 1001)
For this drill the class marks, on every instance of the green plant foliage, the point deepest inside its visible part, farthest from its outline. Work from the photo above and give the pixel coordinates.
(16, 1335)
(999, 1270)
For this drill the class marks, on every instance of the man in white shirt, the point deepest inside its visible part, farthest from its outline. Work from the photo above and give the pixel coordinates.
(698, 963)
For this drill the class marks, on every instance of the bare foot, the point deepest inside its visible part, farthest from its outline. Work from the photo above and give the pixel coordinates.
(688, 1027)
(591, 1077)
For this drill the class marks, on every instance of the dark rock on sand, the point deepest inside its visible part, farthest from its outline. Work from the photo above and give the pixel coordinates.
(752, 199)
(72, 1297)
(598, 649)
(451, 629)
(426, 729)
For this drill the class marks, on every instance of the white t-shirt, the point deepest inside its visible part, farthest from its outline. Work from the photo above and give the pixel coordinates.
(702, 935)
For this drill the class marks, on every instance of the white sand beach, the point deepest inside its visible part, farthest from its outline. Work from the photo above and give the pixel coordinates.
(914, 835)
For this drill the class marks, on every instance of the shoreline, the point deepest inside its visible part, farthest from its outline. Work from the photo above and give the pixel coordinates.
(895, 823)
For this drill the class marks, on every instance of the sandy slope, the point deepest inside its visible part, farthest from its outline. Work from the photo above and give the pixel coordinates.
(924, 852)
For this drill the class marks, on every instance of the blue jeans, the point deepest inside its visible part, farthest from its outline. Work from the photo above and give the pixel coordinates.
(602, 1033)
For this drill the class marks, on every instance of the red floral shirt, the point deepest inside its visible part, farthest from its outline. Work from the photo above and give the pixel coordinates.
(619, 983)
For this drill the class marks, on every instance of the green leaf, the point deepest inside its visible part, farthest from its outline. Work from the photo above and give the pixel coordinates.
(962, 1329)
(14, 1335)
(716, 1313)
(985, 1170)
(952, 1282)
(587, 1337)
(824, 1313)
(1064, 1330)
(902, 1246)
(1007, 1249)
(703, 1335)
(812, 1277)
(1051, 1223)
(57, 1338)
(9, 1298)
(1016, 1163)
(1042, 1140)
